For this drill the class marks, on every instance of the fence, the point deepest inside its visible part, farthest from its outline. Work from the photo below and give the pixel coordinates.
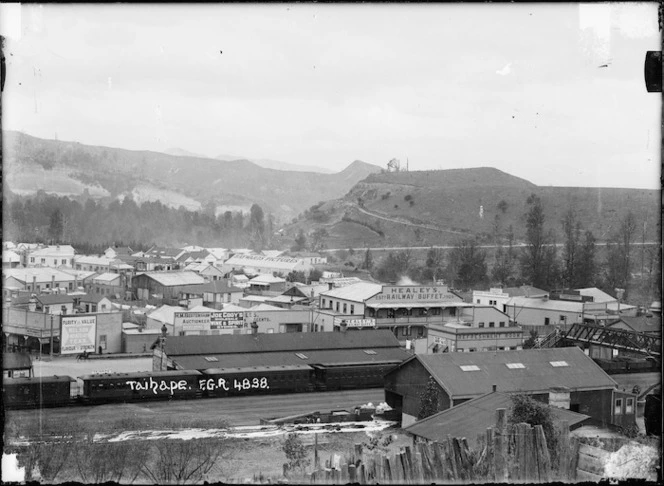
(516, 453)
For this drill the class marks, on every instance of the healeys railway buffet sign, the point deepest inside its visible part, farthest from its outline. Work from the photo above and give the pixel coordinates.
(414, 293)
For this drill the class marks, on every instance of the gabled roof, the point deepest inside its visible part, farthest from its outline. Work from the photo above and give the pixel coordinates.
(165, 313)
(52, 250)
(545, 304)
(9, 256)
(55, 299)
(215, 287)
(42, 274)
(537, 374)
(472, 418)
(642, 323)
(266, 279)
(173, 279)
(93, 260)
(597, 295)
(164, 252)
(92, 298)
(358, 292)
(338, 357)
(266, 343)
(106, 277)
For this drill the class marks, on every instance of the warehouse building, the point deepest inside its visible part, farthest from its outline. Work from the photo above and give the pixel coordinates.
(258, 264)
(564, 374)
(164, 285)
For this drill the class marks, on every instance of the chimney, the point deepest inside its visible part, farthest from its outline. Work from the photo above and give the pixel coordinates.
(495, 387)
(330, 286)
(53, 283)
(344, 326)
(34, 283)
(32, 303)
(254, 329)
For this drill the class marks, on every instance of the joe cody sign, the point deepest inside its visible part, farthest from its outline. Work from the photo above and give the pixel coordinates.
(78, 334)
(203, 321)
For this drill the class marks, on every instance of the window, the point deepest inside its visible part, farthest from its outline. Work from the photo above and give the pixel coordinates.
(301, 355)
(211, 359)
(323, 303)
(370, 351)
(48, 286)
(32, 259)
(617, 409)
(63, 309)
(558, 364)
(435, 311)
(546, 321)
(492, 324)
(629, 405)
(562, 318)
(471, 350)
(478, 301)
(47, 309)
(453, 311)
(515, 366)
(405, 331)
(337, 306)
(43, 260)
(345, 308)
(481, 324)
(64, 261)
(468, 367)
(502, 324)
(102, 341)
(352, 309)
(420, 331)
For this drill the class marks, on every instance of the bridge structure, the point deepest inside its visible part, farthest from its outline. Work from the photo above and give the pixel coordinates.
(637, 342)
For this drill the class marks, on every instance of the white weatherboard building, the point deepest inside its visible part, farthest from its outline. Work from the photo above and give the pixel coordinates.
(262, 264)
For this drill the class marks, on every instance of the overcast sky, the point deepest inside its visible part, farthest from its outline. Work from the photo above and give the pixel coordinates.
(517, 87)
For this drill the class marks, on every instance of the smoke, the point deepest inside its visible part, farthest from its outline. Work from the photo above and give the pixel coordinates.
(404, 280)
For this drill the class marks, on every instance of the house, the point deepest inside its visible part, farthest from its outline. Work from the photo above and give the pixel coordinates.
(472, 418)
(37, 280)
(310, 258)
(10, 259)
(111, 284)
(343, 303)
(93, 303)
(498, 296)
(163, 252)
(476, 328)
(612, 304)
(168, 285)
(46, 303)
(207, 271)
(240, 281)
(547, 375)
(163, 316)
(279, 349)
(649, 325)
(218, 292)
(267, 285)
(51, 256)
(91, 263)
(113, 252)
(17, 365)
(309, 293)
(264, 265)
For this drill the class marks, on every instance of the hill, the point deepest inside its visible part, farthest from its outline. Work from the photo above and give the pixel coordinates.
(439, 207)
(277, 164)
(70, 168)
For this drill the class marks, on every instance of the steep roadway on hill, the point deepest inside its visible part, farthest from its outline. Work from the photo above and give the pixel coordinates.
(407, 223)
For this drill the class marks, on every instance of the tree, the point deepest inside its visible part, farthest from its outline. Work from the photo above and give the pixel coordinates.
(503, 267)
(367, 264)
(314, 275)
(182, 461)
(467, 264)
(434, 264)
(538, 258)
(257, 227)
(394, 266)
(296, 453)
(317, 239)
(429, 399)
(532, 340)
(56, 226)
(296, 276)
(527, 410)
(300, 241)
(587, 267)
(619, 261)
(571, 251)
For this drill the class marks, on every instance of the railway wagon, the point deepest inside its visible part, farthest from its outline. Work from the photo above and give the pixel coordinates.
(41, 391)
(351, 375)
(222, 382)
(129, 387)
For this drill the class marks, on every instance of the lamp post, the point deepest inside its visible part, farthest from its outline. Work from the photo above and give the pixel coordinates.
(51, 348)
(164, 330)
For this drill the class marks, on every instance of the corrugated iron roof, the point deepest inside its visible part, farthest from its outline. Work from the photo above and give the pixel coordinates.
(313, 357)
(473, 417)
(266, 343)
(165, 313)
(16, 361)
(359, 292)
(172, 279)
(537, 375)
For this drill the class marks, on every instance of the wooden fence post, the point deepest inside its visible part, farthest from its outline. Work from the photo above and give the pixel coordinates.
(543, 458)
(500, 447)
(561, 468)
(531, 472)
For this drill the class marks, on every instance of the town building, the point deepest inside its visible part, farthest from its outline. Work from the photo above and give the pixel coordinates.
(206, 270)
(266, 285)
(93, 303)
(644, 324)
(91, 263)
(38, 280)
(110, 284)
(257, 264)
(212, 294)
(51, 256)
(498, 296)
(164, 285)
(564, 375)
(311, 349)
(347, 302)
(46, 303)
(17, 365)
(113, 252)
(164, 253)
(10, 259)
(472, 418)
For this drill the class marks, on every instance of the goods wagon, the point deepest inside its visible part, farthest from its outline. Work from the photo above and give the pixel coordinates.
(222, 382)
(41, 391)
(347, 376)
(128, 387)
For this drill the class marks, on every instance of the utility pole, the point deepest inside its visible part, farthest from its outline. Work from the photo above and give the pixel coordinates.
(51, 348)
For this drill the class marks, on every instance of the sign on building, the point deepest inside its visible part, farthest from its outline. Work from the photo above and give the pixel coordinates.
(220, 320)
(368, 322)
(78, 334)
(414, 293)
(191, 321)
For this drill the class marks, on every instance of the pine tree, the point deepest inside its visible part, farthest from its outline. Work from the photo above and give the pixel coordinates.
(429, 399)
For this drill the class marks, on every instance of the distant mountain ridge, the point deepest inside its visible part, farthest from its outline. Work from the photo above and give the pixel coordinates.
(71, 168)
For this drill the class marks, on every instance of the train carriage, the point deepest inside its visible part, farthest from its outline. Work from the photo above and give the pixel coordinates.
(129, 387)
(222, 382)
(40, 391)
(332, 376)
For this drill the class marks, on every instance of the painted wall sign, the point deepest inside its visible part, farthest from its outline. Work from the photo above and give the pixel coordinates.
(78, 334)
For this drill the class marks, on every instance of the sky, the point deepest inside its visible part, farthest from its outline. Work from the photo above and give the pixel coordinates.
(516, 87)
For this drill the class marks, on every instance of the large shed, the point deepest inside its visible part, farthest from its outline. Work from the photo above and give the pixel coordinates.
(548, 375)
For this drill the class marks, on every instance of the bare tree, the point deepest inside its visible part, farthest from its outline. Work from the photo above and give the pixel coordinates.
(182, 461)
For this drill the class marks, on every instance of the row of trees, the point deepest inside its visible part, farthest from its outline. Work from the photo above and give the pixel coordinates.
(52, 219)
(540, 261)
